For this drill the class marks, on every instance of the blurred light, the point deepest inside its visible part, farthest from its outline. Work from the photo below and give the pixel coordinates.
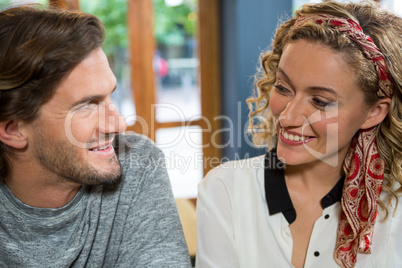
(172, 3)
(192, 16)
(398, 8)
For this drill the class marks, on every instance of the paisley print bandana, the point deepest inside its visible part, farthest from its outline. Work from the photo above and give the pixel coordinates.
(363, 165)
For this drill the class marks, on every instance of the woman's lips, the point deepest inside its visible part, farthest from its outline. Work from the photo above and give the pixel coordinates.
(292, 138)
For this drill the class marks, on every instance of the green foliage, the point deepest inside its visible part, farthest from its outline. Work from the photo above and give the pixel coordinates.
(171, 24)
(9, 3)
(4, 4)
(113, 14)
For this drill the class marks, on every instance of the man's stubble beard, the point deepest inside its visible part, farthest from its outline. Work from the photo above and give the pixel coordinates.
(63, 159)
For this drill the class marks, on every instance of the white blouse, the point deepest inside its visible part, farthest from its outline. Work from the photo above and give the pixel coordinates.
(236, 229)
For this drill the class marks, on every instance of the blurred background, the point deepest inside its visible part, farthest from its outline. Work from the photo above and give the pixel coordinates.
(184, 70)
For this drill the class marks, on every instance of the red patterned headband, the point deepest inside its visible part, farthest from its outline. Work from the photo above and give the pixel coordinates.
(354, 32)
(363, 165)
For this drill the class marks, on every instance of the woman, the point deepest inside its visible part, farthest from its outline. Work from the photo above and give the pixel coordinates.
(329, 100)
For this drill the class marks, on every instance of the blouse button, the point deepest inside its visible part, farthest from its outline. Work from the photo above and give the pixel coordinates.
(316, 253)
(326, 216)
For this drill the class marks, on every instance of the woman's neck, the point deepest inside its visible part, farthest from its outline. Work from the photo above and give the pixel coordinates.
(316, 176)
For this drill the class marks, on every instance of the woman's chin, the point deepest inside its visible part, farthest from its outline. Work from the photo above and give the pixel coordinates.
(294, 157)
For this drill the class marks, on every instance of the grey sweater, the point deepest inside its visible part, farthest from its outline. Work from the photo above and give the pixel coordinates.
(132, 223)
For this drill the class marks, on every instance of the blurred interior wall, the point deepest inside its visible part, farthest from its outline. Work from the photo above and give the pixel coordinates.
(247, 28)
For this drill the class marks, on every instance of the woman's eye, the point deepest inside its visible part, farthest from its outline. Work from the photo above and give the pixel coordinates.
(320, 104)
(281, 89)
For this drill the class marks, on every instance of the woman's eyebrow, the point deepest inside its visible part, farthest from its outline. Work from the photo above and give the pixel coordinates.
(280, 70)
(312, 88)
(326, 89)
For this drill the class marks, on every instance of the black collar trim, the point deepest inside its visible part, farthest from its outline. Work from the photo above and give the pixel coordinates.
(276, 191)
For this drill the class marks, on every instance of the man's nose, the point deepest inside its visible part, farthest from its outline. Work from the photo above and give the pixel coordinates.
(111, 122)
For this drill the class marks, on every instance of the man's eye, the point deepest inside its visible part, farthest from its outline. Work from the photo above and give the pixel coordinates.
(90, 106)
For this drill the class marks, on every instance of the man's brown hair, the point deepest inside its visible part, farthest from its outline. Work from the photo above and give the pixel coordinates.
(38, 49)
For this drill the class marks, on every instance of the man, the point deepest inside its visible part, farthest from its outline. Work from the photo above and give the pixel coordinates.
(73, 192)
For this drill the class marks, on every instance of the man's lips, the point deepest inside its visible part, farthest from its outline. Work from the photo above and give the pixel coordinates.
(100, 148)
(104, 152)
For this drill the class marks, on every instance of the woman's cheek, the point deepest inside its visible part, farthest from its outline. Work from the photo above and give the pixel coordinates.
(276, 104)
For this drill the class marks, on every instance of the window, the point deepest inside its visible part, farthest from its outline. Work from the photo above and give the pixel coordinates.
(177, 105)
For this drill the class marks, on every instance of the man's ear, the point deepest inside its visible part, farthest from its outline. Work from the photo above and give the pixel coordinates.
(377, 113)
(12, 135)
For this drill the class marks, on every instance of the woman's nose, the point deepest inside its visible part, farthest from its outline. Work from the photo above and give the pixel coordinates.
(294, 114)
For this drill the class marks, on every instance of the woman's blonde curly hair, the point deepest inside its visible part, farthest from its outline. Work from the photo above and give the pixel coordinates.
(385, 29)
